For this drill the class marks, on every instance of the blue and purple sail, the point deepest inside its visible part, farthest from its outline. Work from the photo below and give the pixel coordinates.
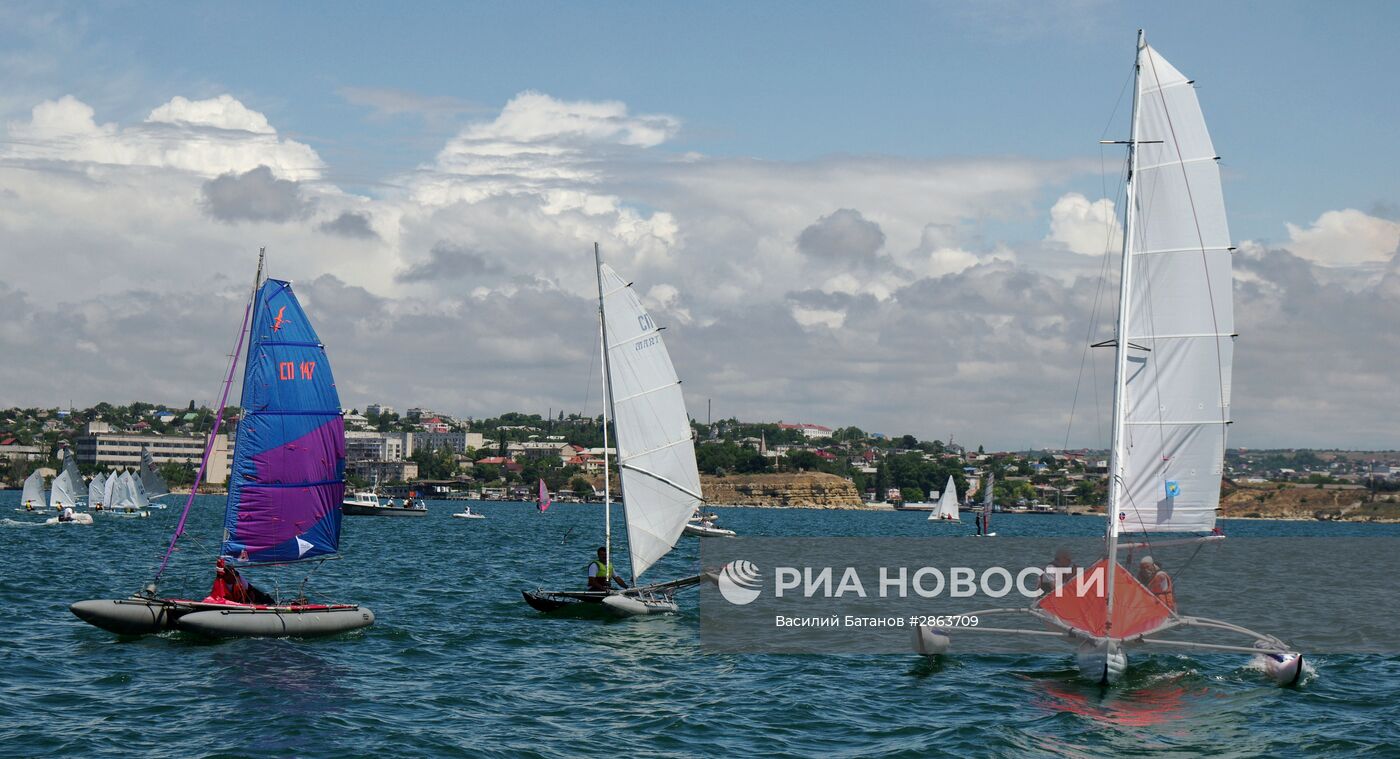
(288, 475)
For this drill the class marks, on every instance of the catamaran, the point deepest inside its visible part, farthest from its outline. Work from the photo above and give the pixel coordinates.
(1171, 403)
(655, 452)
(947, 509)
(284, 494)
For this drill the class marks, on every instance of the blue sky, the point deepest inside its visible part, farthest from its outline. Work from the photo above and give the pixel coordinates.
(1290, 87)
(890, 215)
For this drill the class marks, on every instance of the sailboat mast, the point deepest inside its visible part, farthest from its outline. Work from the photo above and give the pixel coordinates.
(218, 420)
(607, 407)
(1117, 463)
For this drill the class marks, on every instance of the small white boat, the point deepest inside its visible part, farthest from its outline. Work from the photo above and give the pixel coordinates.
(947, 504)
(467, 513)
(79, 517)
(707, 529)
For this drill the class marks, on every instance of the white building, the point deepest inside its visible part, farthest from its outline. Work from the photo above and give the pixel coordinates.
(116, 451)
(366, 445)
(457, 441)
(809, 431)
(378, 409)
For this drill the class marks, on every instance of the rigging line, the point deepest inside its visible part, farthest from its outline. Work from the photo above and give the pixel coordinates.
(1205, 263)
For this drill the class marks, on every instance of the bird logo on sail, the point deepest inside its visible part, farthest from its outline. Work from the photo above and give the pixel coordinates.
(277, 320)
(739, 582)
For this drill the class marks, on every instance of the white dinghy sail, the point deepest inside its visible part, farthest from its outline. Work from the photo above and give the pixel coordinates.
(1173, 356)
(947, 510)
(97, 491)
(32, 497)
(151, 480)
(62, 492)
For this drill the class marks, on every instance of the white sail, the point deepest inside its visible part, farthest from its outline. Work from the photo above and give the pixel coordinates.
(124, 494)
(138, 491)
(63, 492)
(97, 491)
(655, 453)
(151, 480)
(33, 495)
(109, 489)
(70, 465)
(947, 502)
(1179, 335)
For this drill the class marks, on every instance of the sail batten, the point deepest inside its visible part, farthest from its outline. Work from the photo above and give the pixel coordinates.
(288, 477)
(655, 449)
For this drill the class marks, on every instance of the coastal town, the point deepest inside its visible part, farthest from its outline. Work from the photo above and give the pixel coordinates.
(780, 464)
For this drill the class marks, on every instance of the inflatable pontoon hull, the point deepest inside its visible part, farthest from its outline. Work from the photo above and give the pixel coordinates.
(931, 641)
(243, 622)
(1103, 663)
(129, 616)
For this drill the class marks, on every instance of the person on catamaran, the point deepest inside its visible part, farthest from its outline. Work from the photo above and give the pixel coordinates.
(1058, 571)
(1158, 581)
(231, 587)
(600, 572)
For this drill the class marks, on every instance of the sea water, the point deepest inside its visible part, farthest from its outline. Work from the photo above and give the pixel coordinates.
(458, 665)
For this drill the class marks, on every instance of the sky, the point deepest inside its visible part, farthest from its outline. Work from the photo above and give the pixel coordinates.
(892, 216)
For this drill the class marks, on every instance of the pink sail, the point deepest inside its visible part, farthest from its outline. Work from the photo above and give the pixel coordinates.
(544, 497)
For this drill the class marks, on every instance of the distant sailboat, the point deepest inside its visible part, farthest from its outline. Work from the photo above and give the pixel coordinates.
(285, 489)
(984, 530)
(75, 477)
(109, 487)
(544, 501)
(32, 498)
(127, 500)
(1173, 356)
(947, 510)
(63, 493)
(97, 492)
(151, 480)
(655, 452)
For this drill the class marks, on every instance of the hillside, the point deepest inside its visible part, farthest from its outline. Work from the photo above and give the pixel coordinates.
(812, 490)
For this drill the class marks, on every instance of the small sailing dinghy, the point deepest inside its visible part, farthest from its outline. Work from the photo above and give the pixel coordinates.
(947, 510)
(151, 482)
(32, 497)
(655, 454)
(1171, 404)
(127, 500)
(97, 492)
(984, 528)
(284, 495)
(75, 477)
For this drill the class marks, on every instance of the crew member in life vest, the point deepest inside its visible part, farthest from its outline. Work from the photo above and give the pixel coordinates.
(1157, 581)
(601, 574)
(231, 587)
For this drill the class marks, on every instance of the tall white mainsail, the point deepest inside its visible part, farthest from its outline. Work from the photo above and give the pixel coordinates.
(33, 495)
(655, 453)
(1176, 328)
(63, 492)
(97, 491)
(947, 502)
(70, 465)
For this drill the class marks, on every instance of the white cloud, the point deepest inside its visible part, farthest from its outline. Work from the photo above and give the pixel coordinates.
(859, 290)
(1085, 227)
(1345, 238)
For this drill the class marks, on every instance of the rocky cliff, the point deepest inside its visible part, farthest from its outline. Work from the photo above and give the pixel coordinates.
(1275, 501)
(811, 490)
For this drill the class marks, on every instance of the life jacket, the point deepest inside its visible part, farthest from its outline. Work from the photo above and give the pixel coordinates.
(605, 569)
(1161, 587)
